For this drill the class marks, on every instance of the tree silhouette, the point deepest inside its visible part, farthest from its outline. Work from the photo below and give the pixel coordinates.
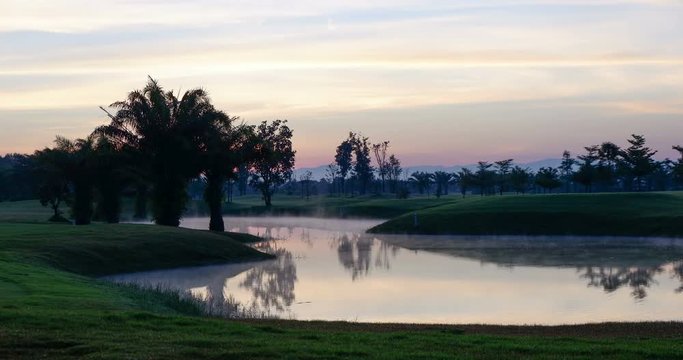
(503, 168)
(520, 179)
(344, 160)
(225, 148)
(111, 175)
(586, 173)
(567, 169)
(164, 133)
(394, 172)
(637, 160)
(608, 157)
(53, 190)
(274, 158)
(362, 168)
(442, 180)
(73, 161)
(677, 170)
(548, 178)
(422, 181)
(383, 164)
(465, 179)
(485, 178)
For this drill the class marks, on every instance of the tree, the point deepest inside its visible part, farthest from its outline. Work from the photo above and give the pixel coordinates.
(164, 132)
(442, 180)
(306, 179)
(380, 151)
(548, 178)
(608, 156)
(567, 169)
(225, 147)
(344, 160)
(520, 179)
(111, 175)
(362, 168)
(637, 160)
(465, 179)
(394, 171)
(422, 181)
(586, 173)
(274, 158)
(331, 176)
(503, 173)
(485, 177)
(73, 161)
(677, 167)
(53, 190)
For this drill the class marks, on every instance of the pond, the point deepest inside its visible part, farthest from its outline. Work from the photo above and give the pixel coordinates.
(329, 269)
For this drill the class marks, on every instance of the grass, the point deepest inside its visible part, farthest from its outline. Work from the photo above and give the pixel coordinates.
(52, 307)
(617, 214)
(374, 207)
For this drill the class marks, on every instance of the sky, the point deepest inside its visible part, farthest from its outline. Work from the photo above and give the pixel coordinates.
(446, 82)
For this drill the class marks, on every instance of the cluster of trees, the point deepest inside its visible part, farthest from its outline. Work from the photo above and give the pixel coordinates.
(604, 167)
(156, 143)
(352, 170)
(16, 180)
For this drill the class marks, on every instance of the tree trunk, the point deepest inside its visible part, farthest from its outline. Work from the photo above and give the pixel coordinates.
(82, 208)
(213, 194)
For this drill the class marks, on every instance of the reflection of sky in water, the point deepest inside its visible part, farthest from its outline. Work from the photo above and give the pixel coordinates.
(331, 270)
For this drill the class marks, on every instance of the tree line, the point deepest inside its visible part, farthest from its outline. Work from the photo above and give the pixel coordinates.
(156, 142)
(605, 167)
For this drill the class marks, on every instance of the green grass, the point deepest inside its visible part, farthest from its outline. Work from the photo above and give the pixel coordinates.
(102, 249)
(375, 207)
(618, 214)
(52, 307)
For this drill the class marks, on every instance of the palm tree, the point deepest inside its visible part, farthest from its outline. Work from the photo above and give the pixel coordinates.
(442, 180)
(225, 148)
(164, 132)
(465, 178)
(422, 181)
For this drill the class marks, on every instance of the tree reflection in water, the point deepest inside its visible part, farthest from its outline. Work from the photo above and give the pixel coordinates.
(678, 274)
(272, 283)
(355, 253)
(614, 278)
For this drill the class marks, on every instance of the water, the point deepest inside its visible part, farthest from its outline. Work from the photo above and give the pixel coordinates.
(331, 270)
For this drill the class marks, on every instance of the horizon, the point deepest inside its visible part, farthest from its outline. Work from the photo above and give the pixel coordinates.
(483, 81)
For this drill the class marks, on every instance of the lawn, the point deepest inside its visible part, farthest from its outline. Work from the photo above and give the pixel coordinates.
(52, 306)
(619, 214)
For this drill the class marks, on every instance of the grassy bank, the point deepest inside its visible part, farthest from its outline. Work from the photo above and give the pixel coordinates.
(375, 207)
(619, 214)
(52, 307)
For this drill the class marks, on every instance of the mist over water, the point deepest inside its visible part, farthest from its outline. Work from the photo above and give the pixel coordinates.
(330, 269)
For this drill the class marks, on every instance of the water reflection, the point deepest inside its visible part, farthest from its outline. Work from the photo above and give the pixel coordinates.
(355, 253)
(677, 270)
(611, 279)
(272, 283)
(332, 270)
(607, 263)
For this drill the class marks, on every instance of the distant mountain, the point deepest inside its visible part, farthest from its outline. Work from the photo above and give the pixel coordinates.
(319, 172)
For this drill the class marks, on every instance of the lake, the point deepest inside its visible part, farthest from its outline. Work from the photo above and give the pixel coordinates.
(329, 269)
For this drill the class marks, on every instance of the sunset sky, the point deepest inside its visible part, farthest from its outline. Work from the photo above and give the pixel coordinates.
(447, 82)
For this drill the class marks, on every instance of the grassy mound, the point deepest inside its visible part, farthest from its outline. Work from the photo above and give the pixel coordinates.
(102, 249)
(618, 214)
